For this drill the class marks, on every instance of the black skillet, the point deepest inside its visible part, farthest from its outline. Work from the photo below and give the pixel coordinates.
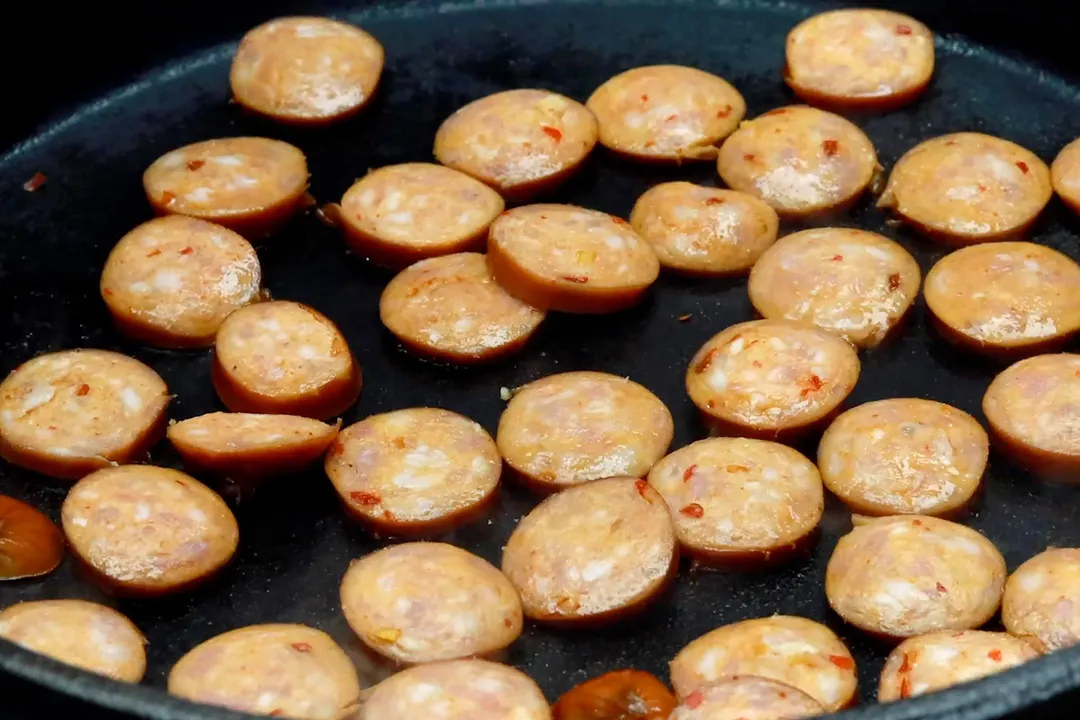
(95, 91)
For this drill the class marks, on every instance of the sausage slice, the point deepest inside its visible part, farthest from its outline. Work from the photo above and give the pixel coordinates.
(1065, 175)
(735, 500)
(854, 283)
(284, 358)
(592, 553)
(422, 602)
(666, 112)
(903, 576)
(450, 308)
(574, 427)
(143, 530)
(800, 160)
(561, 257)
(968, 188)
(787, 649)
(289, 671)
(1041, 598)
(904, 456)
(84, 634)
(702, 230)
(172, 281)
(68, 413)
(31, 545)
(622, 694)
(747, 698)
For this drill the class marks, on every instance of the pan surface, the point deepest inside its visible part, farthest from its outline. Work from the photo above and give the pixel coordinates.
(295, 541)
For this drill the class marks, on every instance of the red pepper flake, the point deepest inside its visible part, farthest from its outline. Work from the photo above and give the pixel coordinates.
(187, 251)
(981, 187)
(903, 30)
(831, 147)
(693, 510)
(710, 404)
(905, 687)
(195, 164)
(703, 364)
(553, 133)
(917, 523)
(619, 220)
(301, 647)
(644, 98)
(905, 667)
(737, 468)
(507, 622)
(153, 253)
(812, 385)
(994, 655)
(84, 389)
(35, 182)
(694, 699)
(749, 157)
(688, 473)
(684, 318)
(642, 487)
(715, 201)
(388, 515)
(756, 364)
(108, 291)
(398, 442)
(837, 258)
(52, 427)
(671, 118)
(365, 498)
(168, 198)
(942, 589)
(721, 114)
(842, 661)
(1023, 166)
(650, 143)
(777, 111)
(894, 281)
(580, 279)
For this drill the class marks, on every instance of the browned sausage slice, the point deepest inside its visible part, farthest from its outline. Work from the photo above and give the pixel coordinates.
(422, 602)
(622, 694)
(84, 634)
(854, 283)
(666, 112)
(746, 698)
(290, 671)
(68, 413)
(1041, 598)
(593, 552)
(31, 545)
(284, 357)
(1065, 175)
(306, 69)
(172, 281)
(144, 530)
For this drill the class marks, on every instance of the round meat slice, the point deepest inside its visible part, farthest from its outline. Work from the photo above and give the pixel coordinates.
(249, 184)
(859, 59)
(458, 690)
(1033, 408)
(172, 281)
(904, 456)
(31, 545)
(518, 141)
(747, 698)
(1065, 175)
(933, 662)
(574, 427)
(84, 634)
(416, 470)
(1005, 298)
(800, 160)
(737, 500)
(702, 230)
(422, 602)
(622, 694)
(903, 576)
(290, 671)
(968, 188)
(561, 257)
(68, 413)
(450, 308)
(854, 283)
(284, 358)
(771, 379)
(246, 446)
(666, 112)
(306, 70)
(399, 214)
(143, 530)
(592, 553)
(1041, 598)
(792, 650)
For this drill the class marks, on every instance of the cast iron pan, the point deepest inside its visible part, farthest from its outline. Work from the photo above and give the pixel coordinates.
(295, 542)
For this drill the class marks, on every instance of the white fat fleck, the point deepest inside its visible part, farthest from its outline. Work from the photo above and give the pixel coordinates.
(464, 217)
(307, 352)
(941, 654)
(265, 702)
(269, 324)
(400, 218)
(777, 344)
(830, 685)
(40, 395)
(139, 287)
(1031, 265)
(173, 159)
(489, 685)
(423, 692)
(634, 120)
(245, 181)
(962, 193)
(479, 465)
(393, 200)
(78, 521)
(706, 667)
(218, 241)
(142, 511)
(791, 647)
(131, 399)
(1034, 327)
(770, 474)
(898, 594)
(718, 379)
(962, 543)
(877, 253)
(367, 197)
(199, 195)
(1031, 582)
(614, 242)
(167, 280)
(228, 160)
(1004, 171)
(737, 346)
(597, 569)
(463, 325)
(877, 434)
(197, 515)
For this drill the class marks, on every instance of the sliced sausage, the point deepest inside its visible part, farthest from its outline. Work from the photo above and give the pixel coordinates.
(458, 690)
(415, 470)
(422, 602)
(249, 184)
(933, 662)
(143, 530)
(518, 141)
(666, 112)
(904, 456)
(561, 257)
(289, 671)
(30, 543)
(592, 553)
(1065, 175)
(1041, 598)
(1005, 298)
(399, 214)
(854, 283)
(84, 634)
(737, 500)
(800, 160)
(787, 649)
(771, 379)
(306, 70)
(622, 694)
(172, 281)
(1033, 408)
(450, 308)
(574, 427)
(968, 188)
(702, 230)
(903, 576)
(859, 59)
(68, 413)
(747, 698)
(285, 358)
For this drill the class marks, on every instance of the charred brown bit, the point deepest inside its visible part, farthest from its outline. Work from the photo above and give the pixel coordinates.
(168, 198)
(153, 253)
(894, 281)
(650, 143)
(35, 182)
(187, 251)
(688, 473)
(942, 589)
(619, 220)
(703, 364)
(644, 98)
(749, 157)
(837, 258)
(301, 647)
(903, 30)
(831, 147)
(813, 384)
(365, 498)
(84, 389)
(580, 279)
(1023, 167)
(721, 114)
(195, 164)
(715, 201)
(737, 468)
